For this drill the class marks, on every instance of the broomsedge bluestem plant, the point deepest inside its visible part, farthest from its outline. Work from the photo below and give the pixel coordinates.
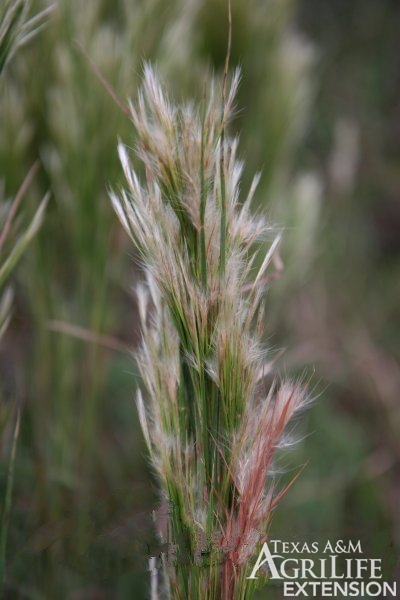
(210, 425)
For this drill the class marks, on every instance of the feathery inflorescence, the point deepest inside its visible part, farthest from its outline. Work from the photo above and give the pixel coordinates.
(210, 426)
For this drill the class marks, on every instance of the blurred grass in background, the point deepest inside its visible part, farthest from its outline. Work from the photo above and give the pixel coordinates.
(318, 114)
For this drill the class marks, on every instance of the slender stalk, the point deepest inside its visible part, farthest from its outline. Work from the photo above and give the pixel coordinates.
(203, 199)
(17, 201)
(222, 158)
(8, 502)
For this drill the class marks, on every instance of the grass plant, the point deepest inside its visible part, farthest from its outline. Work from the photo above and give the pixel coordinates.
(16, 29)
(211, 422)
(79, 523)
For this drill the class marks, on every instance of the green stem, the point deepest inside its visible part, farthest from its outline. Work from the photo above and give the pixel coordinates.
(7, 503)
(202, 210)
(223, 209)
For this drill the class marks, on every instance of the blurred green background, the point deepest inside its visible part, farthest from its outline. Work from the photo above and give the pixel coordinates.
(318, 113)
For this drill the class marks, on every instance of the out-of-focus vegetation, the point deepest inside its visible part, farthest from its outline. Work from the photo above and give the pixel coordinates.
(318, 109)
